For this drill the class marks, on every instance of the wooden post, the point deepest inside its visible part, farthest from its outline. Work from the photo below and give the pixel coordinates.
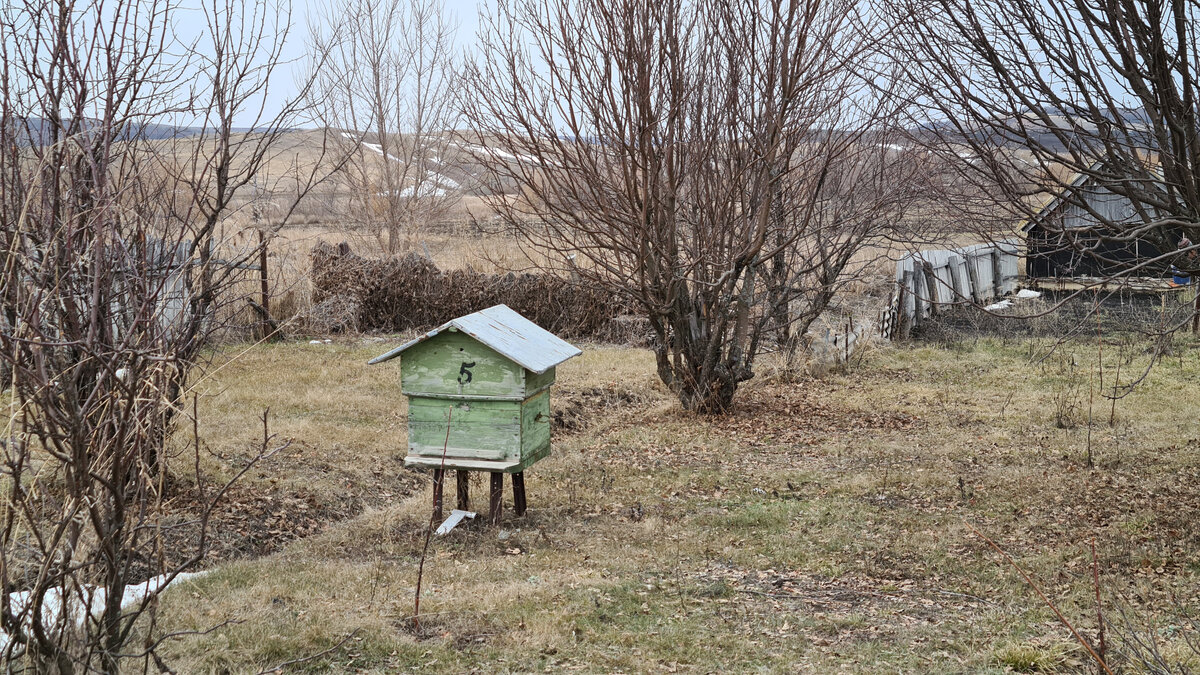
(1196, 307)
(262, 280)
(439, 476)
(464, 485)
(955, 278)
(518, 480)
(973, 278)
(930, 286)
(997, 273)
(496, 503)
(849, 333)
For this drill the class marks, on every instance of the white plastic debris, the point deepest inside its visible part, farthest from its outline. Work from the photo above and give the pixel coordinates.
(1026, 294)
(996, 306)
(314, 342)
(87, 602)
(456, 517)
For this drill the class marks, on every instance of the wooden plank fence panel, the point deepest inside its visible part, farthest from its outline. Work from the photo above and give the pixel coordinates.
(927, 280)
(1009, 256)
(959, 279)
(985, 287)
(920, 291)
(944, 283)
(911, 303)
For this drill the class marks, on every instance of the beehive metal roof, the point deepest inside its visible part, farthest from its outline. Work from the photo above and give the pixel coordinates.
(510, 334)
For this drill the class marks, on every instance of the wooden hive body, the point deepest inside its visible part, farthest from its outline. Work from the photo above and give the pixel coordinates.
(499, 411)
(479, 386)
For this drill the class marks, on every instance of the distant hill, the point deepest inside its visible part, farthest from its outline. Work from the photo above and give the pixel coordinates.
(36, 131)
(1054, 134)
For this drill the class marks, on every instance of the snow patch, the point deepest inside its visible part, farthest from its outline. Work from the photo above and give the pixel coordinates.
(441, 183)
(501, 154)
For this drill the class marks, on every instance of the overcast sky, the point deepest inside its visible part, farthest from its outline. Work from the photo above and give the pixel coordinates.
(464, 13)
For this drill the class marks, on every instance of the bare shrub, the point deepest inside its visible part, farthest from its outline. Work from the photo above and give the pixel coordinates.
(411, 292)
(720, 165)
(111, 284)
(335, 314)
(1147, 646)
(1067, 394)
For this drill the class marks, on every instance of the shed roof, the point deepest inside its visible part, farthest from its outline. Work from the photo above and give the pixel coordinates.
(1077, 180)
(512, 335)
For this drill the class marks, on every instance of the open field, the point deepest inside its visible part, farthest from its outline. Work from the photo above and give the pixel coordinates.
(821, 527)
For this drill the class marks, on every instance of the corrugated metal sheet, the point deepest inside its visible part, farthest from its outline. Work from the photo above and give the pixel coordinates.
(1084, 186)
(507, 332)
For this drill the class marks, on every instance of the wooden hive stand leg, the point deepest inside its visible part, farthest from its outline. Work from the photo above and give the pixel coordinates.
(519, 493)
(439, 476)
(497, 498)
(464, 486)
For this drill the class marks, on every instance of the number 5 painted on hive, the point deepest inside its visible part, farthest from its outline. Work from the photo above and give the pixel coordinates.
(465, 371)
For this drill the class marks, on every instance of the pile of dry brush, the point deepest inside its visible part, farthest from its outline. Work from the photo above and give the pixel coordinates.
(353, 293)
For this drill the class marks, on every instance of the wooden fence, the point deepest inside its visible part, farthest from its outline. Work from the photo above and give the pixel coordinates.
(929, 281)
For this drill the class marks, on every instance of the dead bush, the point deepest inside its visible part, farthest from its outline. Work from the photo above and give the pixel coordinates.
(335, 314)
(411, 292)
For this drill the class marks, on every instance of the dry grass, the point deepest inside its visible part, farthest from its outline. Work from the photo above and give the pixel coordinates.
(819, 528)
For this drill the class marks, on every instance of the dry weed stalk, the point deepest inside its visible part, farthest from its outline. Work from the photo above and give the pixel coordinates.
(1100, 662)
(441, 474)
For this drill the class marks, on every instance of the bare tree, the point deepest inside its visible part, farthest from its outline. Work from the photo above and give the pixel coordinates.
(1034, 99)
(111, 283)
(386, 83)
(719, 163)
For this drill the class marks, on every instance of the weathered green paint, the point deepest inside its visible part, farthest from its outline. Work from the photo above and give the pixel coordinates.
(478, 429)
(535, 425)
(442, 366)
(501, 413)
(535, 382)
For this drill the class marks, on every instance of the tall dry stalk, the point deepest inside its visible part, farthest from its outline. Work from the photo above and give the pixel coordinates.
(441, 476)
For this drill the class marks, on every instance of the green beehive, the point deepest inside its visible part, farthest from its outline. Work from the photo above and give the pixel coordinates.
(490, 372)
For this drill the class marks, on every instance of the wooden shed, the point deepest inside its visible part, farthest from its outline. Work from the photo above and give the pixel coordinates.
(490, 374)
(1064, 238)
